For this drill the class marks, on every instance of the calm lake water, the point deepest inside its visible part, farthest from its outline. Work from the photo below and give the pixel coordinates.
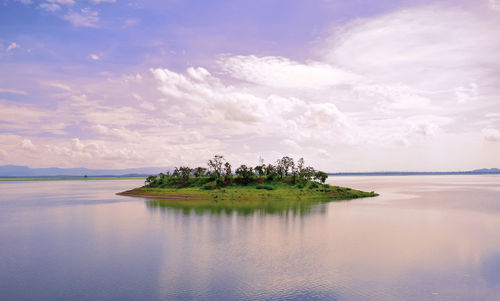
(424, 238)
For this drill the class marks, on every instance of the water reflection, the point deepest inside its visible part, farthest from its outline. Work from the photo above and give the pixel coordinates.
(242, 208)
(424, 238)
(490, 269)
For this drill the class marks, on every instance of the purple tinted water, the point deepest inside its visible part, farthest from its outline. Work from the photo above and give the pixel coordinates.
(424, 238)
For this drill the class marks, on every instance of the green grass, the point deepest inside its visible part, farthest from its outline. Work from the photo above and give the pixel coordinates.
(70, 179)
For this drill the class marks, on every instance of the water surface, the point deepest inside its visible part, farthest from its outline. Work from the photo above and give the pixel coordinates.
(425, 237)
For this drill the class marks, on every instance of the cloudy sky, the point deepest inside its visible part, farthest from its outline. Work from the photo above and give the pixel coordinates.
(349, 85)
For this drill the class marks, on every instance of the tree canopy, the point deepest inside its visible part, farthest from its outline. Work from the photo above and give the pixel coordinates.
(219, 173)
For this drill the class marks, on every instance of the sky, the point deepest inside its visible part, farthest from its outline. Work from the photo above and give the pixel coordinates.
(355, 85)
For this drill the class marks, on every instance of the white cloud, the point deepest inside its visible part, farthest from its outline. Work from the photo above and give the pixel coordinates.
(94, 57)
(280, 72)
(323, 114)
(59, 86)
(13, 113)
(52, 7)
(419, 47)
(64, 2)
(12, 46)
(290, 144)
(27, 144)
(103, 1)
(491, 134)
(382, 92)
(85, 18)
(324, 154)
(495, 4)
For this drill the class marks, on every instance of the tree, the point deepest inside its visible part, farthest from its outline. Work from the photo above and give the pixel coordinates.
(284, 165)
(185, 172)
(279, 168)
(228, 174)
(260, 170)
(245, 174)
(215, 165)
(300, 165)
(199, 171)
(270, 172)
(321, 176)
(150, 180)
(288, 164)
(308, 173)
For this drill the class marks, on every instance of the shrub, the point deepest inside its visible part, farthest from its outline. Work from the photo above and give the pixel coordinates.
(313, 185)
(266, 187)
(245, 174)
(219, 182)
(210, 186)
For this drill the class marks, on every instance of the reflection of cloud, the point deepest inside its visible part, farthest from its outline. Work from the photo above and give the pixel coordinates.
(490, 269)
(386, 250)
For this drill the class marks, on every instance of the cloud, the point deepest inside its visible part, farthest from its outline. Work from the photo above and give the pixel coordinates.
(377, 93)
(495, 4)
(130, 23)
(28, 145)
(12, 46)
(103, 1)
(13, 91)
(85, 18)
(281, 72)
(94, 57)
(52, 7)
(55, 5)
(324, 154)
(20, 114)
(419, 47)
(63, 2)
(323, 114)
(59, 86)
(490, 134)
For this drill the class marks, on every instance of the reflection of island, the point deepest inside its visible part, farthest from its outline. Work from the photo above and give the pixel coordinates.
(278, 188)
(275, 207)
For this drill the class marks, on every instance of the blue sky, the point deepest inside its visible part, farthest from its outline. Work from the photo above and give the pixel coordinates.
(349, 85)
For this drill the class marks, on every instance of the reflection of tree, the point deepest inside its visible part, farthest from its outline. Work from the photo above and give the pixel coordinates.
(273, 207)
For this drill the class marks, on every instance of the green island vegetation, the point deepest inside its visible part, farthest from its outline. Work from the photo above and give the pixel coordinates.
(278, 188)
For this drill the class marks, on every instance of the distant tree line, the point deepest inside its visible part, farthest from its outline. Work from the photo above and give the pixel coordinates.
(220, 172)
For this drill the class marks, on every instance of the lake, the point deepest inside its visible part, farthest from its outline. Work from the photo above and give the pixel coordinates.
(423, 238)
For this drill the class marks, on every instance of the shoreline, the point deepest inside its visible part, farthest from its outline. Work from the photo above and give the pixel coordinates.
(249, 194)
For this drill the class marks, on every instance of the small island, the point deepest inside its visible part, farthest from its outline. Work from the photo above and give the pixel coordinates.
(217, 185)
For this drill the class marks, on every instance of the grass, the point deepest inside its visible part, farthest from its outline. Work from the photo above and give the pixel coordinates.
(69, 179)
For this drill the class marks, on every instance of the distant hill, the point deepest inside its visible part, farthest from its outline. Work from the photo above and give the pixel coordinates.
(12, 171)
(486, 170)
(16, 171)
(409, 173)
